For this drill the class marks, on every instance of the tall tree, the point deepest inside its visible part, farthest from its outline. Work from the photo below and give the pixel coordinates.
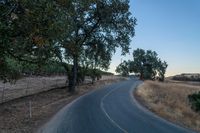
(138, 63)
(162, 66)
(34, 31)
(147, 64)
(123, 68)
(99, 26)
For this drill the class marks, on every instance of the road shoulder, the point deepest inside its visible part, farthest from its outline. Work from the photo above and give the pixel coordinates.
(168, 101)
(29, 113)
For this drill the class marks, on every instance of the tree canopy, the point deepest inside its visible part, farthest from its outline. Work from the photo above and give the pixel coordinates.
(28, 31)
(123, 68)
(146, 63)
(76, 33)
(96, 28)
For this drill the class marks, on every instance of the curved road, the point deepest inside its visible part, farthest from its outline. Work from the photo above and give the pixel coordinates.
(112, 109)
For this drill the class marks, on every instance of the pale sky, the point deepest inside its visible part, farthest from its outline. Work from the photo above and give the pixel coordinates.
(169, 27)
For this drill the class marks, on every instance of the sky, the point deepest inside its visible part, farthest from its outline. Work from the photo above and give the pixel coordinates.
(169, 27)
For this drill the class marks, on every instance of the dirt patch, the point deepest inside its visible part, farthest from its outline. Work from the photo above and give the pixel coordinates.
(169, 100)
(27, 114)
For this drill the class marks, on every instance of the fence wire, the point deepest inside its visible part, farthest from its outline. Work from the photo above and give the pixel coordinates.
(32, 85)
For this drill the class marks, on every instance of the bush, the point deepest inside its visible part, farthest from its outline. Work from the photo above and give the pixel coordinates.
(194, 99)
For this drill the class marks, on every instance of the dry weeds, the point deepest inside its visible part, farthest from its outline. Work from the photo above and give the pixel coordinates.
(29, 86)
(169, 100)
(15, 114)
(36, 84)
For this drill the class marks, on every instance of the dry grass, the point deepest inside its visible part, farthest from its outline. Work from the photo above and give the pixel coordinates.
(15, 114)
(169, 100)
(29, 85)
(36, 84)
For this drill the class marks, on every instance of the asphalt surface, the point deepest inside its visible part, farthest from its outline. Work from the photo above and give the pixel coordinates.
(112, 109)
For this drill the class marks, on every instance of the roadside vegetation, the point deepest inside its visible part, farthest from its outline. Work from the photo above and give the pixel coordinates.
(27, 114)
(50, 68)
(78, 35)
(187, 77)
(169, 100)
(43, 37)
(194, 99)
(173, 99)
(146, 64)
(192, 79)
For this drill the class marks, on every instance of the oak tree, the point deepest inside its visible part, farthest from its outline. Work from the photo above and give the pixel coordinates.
(96, 26)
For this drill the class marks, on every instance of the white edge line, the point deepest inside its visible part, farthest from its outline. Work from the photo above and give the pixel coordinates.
(145, 110)
(104, 111)
(66, 107)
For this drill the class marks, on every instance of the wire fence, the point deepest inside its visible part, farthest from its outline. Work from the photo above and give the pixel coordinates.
(29, 85)
(32, 85)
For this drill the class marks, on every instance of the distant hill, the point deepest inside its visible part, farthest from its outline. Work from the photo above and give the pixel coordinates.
(187, 77)
(106, 73)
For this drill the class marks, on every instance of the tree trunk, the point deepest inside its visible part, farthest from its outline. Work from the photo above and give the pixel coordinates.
(141, 75)
(73, 75)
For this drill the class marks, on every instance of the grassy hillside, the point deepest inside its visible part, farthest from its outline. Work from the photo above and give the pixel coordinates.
(170, 101)
(187, 77)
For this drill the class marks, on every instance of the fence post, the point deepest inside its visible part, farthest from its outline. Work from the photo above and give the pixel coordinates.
(56, 83)
(2, 100)
(27, 86)
(44, 83)
(30, 109)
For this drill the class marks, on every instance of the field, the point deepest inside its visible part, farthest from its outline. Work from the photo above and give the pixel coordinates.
(169, 100)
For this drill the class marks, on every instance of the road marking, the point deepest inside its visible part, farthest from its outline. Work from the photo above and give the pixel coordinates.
(103, 109)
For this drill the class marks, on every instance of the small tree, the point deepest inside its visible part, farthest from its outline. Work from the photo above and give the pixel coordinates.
(162, 66)
(146, 63)
(137, 65)
(123, 68)
(194, 99)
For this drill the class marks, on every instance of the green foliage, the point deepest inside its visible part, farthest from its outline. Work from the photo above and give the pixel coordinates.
(138, 61)
(106, 73)
(28, 31)
(96, 28)
(9, 70)
(23, 68)
(53, 67)
(162, 66)
(194, 99)
(146, 63)
(83, 34)
(123, 68)
(94, 74)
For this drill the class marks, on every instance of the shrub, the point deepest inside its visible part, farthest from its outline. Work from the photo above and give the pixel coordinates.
(194, 99)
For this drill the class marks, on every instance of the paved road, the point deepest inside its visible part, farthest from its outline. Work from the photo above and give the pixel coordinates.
(112, 109)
